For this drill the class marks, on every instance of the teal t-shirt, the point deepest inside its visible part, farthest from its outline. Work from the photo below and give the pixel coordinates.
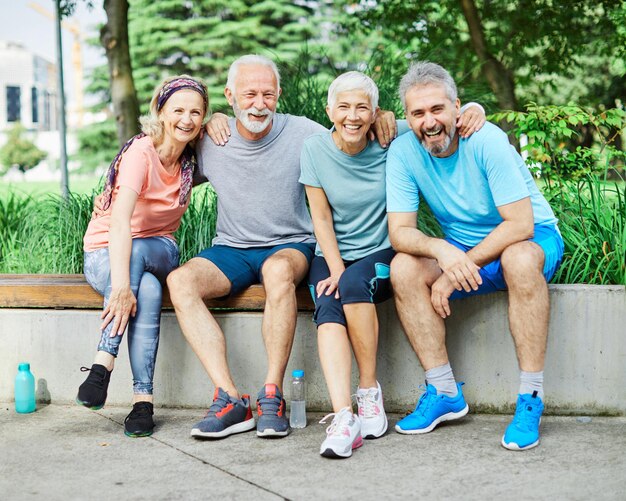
(465, 189)
(355, 188)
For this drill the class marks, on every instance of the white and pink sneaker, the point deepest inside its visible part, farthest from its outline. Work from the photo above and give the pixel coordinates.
(371, 411)
(343, 435)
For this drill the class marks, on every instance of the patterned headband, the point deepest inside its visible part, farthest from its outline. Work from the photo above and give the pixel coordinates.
(178, 84)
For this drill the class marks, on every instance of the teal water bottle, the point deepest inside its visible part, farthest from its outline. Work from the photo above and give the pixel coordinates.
(24, 390)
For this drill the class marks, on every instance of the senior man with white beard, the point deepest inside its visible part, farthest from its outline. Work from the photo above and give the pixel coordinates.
(264, 234)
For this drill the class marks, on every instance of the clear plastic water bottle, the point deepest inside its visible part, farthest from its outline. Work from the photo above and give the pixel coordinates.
(24, 390)
(297, 415)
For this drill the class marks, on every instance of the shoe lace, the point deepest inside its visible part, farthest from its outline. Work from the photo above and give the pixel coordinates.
(218, 404)
(525, 416)
(139, 410)
(95, 378)
(340, 421)
(367, 403)
(269, 405)
(425, 402)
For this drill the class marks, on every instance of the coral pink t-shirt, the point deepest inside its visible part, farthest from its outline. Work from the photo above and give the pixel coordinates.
(157, 211)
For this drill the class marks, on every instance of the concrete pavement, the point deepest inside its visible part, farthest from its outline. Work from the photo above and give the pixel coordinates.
(71, 453)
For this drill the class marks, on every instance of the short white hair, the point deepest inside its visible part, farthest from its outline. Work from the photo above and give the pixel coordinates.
(353, 80)
(247, 60)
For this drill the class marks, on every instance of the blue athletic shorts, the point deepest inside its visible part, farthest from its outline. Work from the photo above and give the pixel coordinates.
(547, 237)
(365, 280)
(243, 266)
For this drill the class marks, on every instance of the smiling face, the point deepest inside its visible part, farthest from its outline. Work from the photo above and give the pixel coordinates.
(352, 115)
(432, 116)
(182, 116)
(254, 99)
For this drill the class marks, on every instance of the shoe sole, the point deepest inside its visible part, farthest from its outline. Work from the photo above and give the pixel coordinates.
(138, 435)
(92, 407)
(372, 436)
(236, 428)
(514, 447)
(450, 416)
(332, 454)
(271, 432)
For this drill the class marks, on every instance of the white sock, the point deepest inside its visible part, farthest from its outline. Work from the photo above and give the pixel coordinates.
(443, 380)
(531, 382)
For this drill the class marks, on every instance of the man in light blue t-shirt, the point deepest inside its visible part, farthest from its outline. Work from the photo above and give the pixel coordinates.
(500, 234)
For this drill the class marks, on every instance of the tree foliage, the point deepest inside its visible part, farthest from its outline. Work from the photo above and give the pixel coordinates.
(528, 38)
(19, 151)
(203, 37)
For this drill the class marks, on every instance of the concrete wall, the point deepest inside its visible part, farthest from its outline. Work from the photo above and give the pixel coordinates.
(585, 370)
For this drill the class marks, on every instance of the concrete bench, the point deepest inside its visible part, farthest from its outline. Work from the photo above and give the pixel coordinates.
(73, 291)
(585, 365)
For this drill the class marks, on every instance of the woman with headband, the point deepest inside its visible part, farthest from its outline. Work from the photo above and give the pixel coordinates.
(130, 247)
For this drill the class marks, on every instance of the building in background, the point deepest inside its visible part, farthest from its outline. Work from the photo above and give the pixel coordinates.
(27, 89)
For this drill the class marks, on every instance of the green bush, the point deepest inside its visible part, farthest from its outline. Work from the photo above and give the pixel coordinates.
(557, 135)
(19, 151)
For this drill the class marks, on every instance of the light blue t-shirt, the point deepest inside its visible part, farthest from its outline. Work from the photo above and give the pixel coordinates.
(355, 188)
(465, 189)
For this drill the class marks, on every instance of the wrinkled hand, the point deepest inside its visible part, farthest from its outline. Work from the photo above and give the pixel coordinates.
(459, 268)
(384, 129)
(122, 304)
(328, 286)
(217, 128)
(440, 293)
(470, 121)
(98, 206)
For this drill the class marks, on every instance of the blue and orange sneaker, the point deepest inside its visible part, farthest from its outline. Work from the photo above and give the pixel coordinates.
(433, 409)
(227, 415)
(270, 407)
(523, 432)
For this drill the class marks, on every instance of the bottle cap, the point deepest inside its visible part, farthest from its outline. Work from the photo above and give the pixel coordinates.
(24, 366)
(298, 373)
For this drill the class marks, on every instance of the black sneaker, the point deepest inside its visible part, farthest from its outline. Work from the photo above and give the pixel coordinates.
(93, 392)
(139, 422)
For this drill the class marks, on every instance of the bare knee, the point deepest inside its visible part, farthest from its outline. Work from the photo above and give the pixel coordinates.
(179, 284)
(522, 265)
(522, 261)
(408, 271)
(278, 277)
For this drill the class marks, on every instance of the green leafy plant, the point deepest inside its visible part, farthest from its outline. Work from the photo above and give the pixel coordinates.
(20, 151)
(553, 131)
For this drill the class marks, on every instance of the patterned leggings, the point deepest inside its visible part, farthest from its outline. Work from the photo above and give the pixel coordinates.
(151, 260)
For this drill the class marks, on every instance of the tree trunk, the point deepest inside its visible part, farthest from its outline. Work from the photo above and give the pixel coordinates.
(114, 39)
(498, 76)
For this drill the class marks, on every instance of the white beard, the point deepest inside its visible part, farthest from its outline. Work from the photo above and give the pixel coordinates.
(251, 125)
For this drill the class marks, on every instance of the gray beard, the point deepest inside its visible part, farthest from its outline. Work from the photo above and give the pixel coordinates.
(438, 149)
(251, 126)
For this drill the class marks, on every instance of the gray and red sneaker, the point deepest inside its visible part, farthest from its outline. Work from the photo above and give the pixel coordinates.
(227, 415)
(271, 409)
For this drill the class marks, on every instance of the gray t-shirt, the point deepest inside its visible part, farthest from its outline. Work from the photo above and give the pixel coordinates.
(259, 199)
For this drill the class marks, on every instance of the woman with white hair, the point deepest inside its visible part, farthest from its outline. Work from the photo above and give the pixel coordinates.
(344, 176)
(129, 244)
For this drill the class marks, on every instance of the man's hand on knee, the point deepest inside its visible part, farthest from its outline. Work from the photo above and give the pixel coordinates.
(462, 272)
(440, 293)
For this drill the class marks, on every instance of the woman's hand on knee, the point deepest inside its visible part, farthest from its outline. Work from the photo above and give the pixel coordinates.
(328, 286)
(121, 306)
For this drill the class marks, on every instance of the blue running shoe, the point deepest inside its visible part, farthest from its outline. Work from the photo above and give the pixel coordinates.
(270, 407)
(433, 409)
(226, 416)
(523, 432)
